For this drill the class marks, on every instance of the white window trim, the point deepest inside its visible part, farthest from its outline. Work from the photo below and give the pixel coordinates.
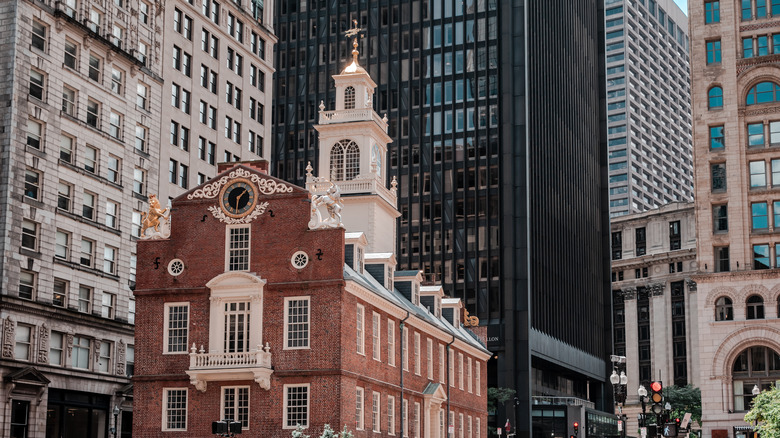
(405, 417)
(376, 336)
(417, 367)
(430, 358)
(460, 425)
(405, 349)
(285, 401)
(166, 321)
(287, 300)
(478, 379)
(360, 417)
(390, 415)
(460, 371)
(469, 428)
(478, 425)
(442, 366)
(376, 421)
(227, 247)
(390, 342)
(222, 401)
(469, 376)
(360, 334)
(416, 420)
(165, 409)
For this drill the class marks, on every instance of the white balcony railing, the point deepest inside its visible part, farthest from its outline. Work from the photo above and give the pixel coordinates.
(354, 186)
(352, 115)
(204, 361)
(219, 366)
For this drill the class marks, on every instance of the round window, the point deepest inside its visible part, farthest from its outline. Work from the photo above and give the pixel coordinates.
(175, 267)
(299, 260)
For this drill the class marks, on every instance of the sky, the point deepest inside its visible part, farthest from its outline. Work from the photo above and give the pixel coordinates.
(683, 4)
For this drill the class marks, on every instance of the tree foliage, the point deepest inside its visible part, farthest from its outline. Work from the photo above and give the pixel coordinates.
(498, 396)
(766, 411)
(684, 399)
(298, 432)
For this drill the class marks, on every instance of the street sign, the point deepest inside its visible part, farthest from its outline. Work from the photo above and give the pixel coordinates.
(643, 432)
(620, 425)
(685, 421)
(451, 429)
(497, 430)
(670, 430)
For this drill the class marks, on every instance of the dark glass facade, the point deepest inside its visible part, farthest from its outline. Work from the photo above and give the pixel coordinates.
(496, 112)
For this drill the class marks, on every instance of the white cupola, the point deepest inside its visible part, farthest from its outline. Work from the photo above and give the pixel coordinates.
(353, 150)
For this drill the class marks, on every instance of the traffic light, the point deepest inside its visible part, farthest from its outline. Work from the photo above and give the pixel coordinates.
(576, 427)
(657, 397)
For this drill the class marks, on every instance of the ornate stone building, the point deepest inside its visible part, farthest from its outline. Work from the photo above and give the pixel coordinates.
(736, 113)
(266, 312)
(654, 299)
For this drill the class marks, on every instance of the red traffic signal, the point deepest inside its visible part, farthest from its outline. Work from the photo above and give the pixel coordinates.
(656, 395)
(576, 427)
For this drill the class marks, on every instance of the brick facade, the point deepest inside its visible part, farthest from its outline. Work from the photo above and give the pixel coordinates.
(331, 365)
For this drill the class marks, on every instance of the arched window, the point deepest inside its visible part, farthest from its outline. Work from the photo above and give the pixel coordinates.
(763, 92)
(344, 160)
(716, 97)
(755, 366)
(755, 307)
(724, 310)
(349, 98)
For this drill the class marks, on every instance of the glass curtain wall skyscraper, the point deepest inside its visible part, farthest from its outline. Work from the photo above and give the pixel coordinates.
(498, 135)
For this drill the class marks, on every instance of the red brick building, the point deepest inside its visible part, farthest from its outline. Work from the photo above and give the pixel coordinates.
(258, 309)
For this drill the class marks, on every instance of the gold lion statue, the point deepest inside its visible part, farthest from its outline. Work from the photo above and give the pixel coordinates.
(152, 218)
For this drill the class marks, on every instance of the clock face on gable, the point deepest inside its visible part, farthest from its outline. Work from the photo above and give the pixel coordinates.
(238, 198)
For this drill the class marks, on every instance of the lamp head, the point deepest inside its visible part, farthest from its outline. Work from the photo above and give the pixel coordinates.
(614, 378)
(623, 378)
(668, 406)
(116, 410)
(642, 391)
(756, 390)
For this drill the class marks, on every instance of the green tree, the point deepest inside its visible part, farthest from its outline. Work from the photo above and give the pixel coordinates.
(498, 396)
(298, 432)
(684, 399)
(327, 432)
(766, 411)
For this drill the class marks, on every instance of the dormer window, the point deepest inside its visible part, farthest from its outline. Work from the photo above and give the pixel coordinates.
(344, 161)
(437, 307)
(349, 98)
(416, 294)
(237, 248)
(360, 264)
(390, 272)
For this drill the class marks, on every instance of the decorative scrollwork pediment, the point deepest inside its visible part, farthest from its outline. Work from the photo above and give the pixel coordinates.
(265, 186)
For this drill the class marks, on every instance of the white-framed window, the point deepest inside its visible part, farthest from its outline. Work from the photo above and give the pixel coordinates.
(130, 360)
(405, 349)
(430, 358)
(34, 134)
(104, 356)
(66, 148)
(477, 383)
(390, 415)
(71, 56)
(417, 353)
(359, 402)
(69, 100)
(460, 371)
(88, 206)
(360, 329)
(235, 404)
(139, 181)
(451, 419)
(114, 166)
(37, 84)
(405, 417)
(460, 425)
(93, 115)
(416, 420)
(344, 160)
(375, 411)
(390, 342)
(174, 415)
(56, 344)
(376, 336)
(296, 322)
(349, 98)
(64, 196)
(29, 235)
(80, 354)
(115, 125)
(85, 299)
(109, 260)
(32, 184)
(176, 326)
(478, 427)
(452, 369)
(442, 426)
(112, 214)
(237, 327)
(109, 305)
(469, 430)
(469, 376)
(23, 342)
(60, 293)
(135, 221)
(238, 238)
(90, 159)
(140, 138)
(131, 311)
(39, 40)
(296, 406)
(27, 284)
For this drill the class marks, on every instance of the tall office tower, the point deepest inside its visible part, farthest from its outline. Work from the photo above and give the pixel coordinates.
(81, 87)
(218, 69)
(736, 109)
(500, 154)
(648, 105)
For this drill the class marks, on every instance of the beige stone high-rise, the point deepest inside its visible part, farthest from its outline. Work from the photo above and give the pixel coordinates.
(87, 95)
(736, 111)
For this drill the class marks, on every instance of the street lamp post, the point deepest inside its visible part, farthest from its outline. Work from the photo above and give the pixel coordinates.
(642, 392)
(116, 412)
(756, 390)
(619, 382)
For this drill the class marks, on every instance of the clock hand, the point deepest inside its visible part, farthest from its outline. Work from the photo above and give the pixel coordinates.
(239, 196)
